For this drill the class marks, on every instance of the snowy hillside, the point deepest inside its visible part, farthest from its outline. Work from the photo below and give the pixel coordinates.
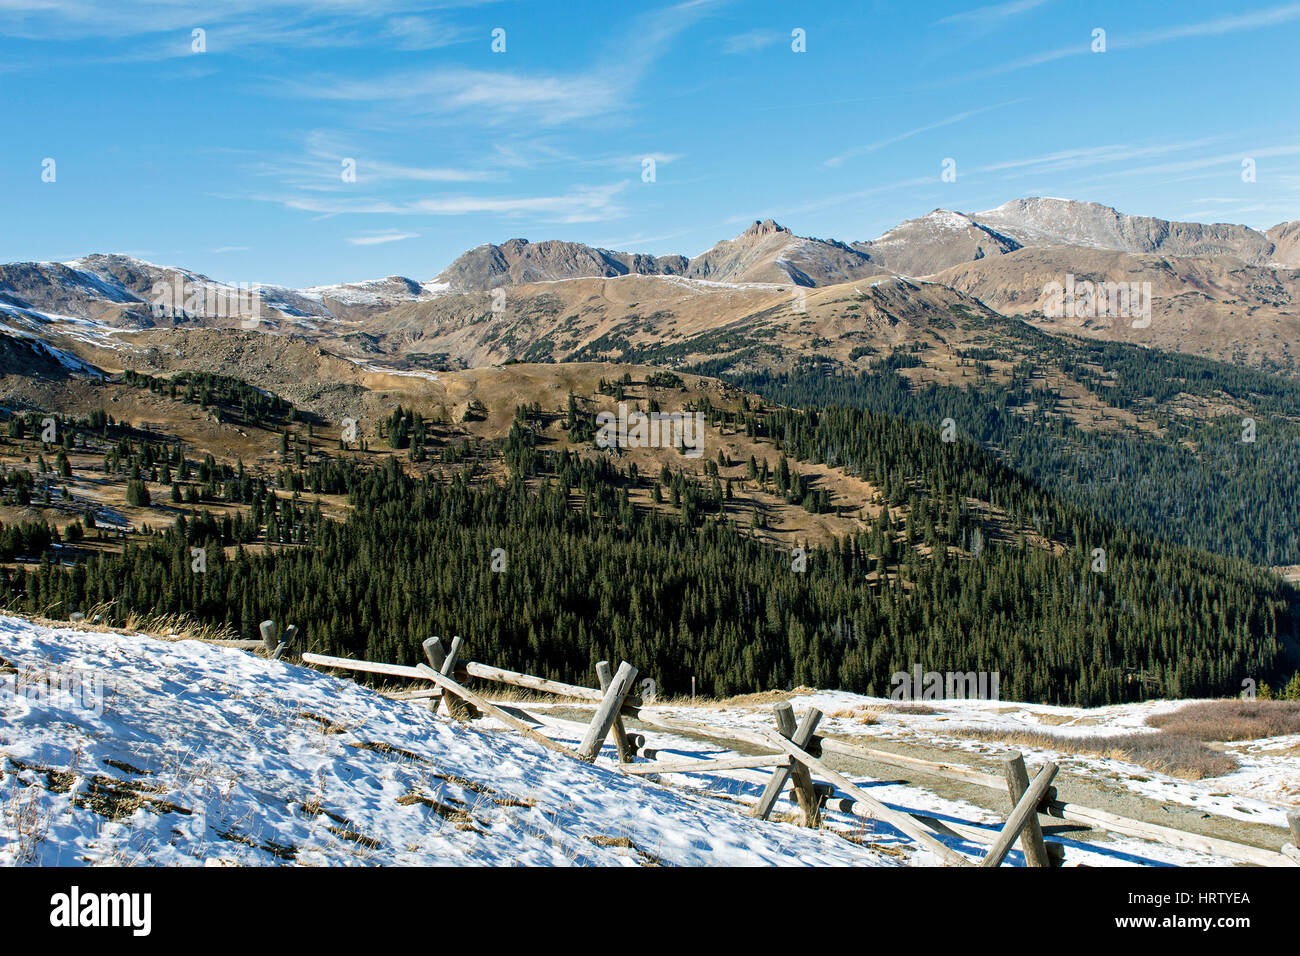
(124, 749)
(206, 754)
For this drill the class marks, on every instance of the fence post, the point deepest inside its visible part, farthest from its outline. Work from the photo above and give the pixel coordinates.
(895, 818)
(269, 636)
(1292, 851)
(1024, 809)
(453, 705)
(804, 789)
(626, 749)
(1031, 838)
(785, 726)
(805, 792)
(286, 642)
(435, 655)
(607, 712)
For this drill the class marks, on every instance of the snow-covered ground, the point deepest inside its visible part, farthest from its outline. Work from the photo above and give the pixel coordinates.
(32, 326)
(200, 754)
(1265, 785)
(185, 753)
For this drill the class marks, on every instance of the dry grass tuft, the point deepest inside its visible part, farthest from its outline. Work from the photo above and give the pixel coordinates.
(1231, 719)
(102, 619)
(922, 709)
(179, 627)
(861, 715)
(1162, 752)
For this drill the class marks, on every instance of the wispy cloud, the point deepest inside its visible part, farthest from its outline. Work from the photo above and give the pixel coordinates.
(492, 97)
(582, 204)
(752, 41)
(1272, 16)
(1278, 212)
(881, 144)
(1227, 160)
(630, 162)
(422, 33)
(993, 12)
(522, 99)
(640, 239)
(378, 239)
(1084, 157)
(839, 200)
(345, 20)
(318, 167)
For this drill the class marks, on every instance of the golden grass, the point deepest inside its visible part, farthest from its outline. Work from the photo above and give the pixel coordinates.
(102, 619)
(862, 715)
(1231, 719)
(1173, 754)
(179, 627)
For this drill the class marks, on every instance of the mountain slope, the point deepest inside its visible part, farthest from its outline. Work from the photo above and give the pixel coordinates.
(935, 241)
(1217, 291)
(1218, 307)
(198, 754)
(764, 253)
(1285, 237)
(769, 252)
(520, 261)
(1046, 222)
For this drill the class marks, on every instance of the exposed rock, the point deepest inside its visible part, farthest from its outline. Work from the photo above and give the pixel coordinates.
(519, 261)
(1049, 222)
(934, 242)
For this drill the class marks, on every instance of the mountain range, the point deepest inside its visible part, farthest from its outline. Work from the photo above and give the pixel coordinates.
(769, 252)
(1223, 291)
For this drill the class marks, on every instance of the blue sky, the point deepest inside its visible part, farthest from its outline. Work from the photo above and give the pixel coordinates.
(230, 161)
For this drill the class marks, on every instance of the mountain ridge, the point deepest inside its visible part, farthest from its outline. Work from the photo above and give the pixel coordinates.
(1218, 289)
(765, 251)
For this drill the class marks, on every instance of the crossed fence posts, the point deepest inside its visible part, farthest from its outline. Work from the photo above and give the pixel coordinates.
(797, 757)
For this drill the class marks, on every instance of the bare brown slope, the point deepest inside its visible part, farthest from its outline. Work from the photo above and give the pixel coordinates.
(1216, 307)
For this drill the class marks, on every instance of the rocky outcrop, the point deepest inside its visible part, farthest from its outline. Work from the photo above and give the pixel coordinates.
(518, 261)
(1053, 222)
(769, 252)
(936, 241)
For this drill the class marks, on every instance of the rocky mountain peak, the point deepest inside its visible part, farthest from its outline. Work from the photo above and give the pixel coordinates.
(762, 229)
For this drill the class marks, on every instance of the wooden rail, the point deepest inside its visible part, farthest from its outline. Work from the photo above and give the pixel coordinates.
(616, 701)
(472, 669)
(446, 683)
(899, 821)
(708, 765)
(1072, 812)
(1026, 809)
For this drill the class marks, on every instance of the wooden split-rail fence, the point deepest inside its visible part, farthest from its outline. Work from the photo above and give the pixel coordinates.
(793, 751)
